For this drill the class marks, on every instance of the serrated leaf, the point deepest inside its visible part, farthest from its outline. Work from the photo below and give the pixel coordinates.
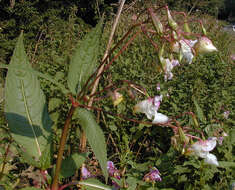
(95, 137)
(199, 111)
(25, 106)
(94, 184)
(71, 164)
(84, 60)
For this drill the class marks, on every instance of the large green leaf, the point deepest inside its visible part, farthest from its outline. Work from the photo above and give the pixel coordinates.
(95, 137)
(84, 60)
(25, 106)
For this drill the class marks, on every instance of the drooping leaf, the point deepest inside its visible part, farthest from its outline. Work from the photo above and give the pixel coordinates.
(84, 60)
(25, 106)
(95, 137)
(94, 184)
(71, 164)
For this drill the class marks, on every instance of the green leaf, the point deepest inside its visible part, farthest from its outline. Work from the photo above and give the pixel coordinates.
(225, 164)
(71, 164)
(95, 137)
(94, 184)
(25, 106)
(21, 68)
(84, 60)
(45, 159)
(199, 111)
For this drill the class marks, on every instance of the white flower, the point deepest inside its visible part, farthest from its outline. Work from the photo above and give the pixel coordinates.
(169, 65)
(185, 47)
(150, 107)
(202, 149)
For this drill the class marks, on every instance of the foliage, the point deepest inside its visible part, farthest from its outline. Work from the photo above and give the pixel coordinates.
(204, 88)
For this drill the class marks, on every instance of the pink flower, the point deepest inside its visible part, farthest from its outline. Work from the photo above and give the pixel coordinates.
(153, 175)
(226, 114)
(85, 173)
(232, 57)
(158, 87)
(113, 172)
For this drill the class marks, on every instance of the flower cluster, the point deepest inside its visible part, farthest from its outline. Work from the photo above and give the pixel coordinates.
(180, 42)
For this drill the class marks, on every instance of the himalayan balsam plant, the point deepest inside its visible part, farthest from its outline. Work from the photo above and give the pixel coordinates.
(31, 127)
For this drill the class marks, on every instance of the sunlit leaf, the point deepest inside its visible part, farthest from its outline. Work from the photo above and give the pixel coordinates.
(25, 106)
(84, 60)
(95, 137)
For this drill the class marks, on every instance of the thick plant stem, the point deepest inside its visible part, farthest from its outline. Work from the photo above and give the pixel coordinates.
(83, 136)
(4, 160)
(61, 149)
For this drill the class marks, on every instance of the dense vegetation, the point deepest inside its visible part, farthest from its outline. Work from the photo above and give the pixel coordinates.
(199, 95)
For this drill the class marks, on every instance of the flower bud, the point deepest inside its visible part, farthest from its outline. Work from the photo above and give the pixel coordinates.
(204, 45)
(116, 97)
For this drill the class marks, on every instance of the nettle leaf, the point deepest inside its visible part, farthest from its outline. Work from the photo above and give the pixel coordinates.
(25, 106)
(95, 137)
(71, 164)
(84, 60)
(94, 184)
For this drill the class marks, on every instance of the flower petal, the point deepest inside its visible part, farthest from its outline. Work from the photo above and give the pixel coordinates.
(211, 159)
(160, 118)
(209, 144)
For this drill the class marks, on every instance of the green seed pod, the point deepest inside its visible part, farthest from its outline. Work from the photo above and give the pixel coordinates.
(183, 138)
(160, 56)
(175, 36)
(156, 22)
(203, 30)
(186, 27)
(171, 22)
